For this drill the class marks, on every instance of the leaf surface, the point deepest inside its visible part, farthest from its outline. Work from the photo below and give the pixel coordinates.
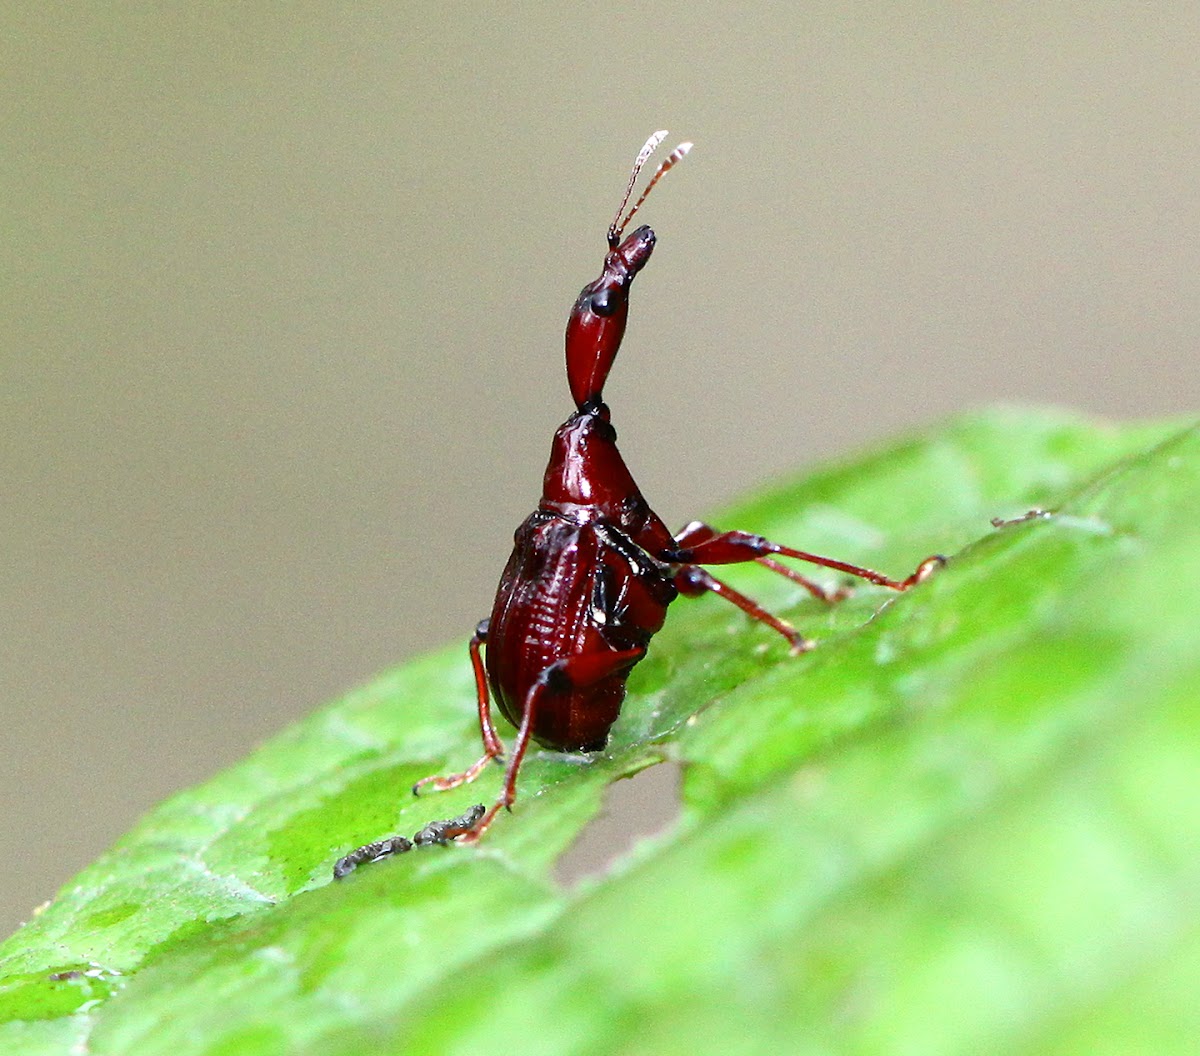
(965, 823)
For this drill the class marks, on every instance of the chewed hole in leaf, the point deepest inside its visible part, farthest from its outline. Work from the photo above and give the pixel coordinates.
(635, 808)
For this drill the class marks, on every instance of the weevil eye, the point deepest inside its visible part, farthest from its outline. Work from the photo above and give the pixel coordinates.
(604, 303)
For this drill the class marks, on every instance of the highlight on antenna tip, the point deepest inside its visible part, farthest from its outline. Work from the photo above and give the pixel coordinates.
(653, 142)
(620, 222)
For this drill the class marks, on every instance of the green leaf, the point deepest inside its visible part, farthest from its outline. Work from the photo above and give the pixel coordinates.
(965, 823)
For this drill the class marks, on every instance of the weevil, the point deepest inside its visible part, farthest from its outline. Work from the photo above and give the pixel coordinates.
(593, 569)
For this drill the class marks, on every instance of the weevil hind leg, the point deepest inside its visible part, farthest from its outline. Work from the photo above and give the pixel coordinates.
(493, 747)
(562, 676)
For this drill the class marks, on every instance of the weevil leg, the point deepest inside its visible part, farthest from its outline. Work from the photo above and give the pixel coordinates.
(509, 793)
(562, 676)
(493, 748)
(826, 594)
(492, 745)
(699, 532)
(692, 581)
(729, 548)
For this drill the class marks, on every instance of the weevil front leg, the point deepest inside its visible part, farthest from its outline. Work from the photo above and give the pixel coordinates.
(493, 748)
(562, 676)
(729, 548)
(698, 532)
(691, 581)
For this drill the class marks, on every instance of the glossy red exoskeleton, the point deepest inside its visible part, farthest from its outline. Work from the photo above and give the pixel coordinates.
(593, 568)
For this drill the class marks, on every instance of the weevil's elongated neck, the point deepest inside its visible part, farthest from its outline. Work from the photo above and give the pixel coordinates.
(597, 322)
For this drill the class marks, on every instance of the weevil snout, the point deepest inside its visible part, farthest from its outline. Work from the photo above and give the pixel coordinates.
(633, 253)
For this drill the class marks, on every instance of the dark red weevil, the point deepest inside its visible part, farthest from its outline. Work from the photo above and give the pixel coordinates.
(593, 568)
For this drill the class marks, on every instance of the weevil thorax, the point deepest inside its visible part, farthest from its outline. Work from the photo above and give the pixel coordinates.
(586, 477)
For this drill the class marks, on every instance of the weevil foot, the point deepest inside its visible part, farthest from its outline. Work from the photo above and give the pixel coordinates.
(475, 833)
(924, 570)
(801, 645)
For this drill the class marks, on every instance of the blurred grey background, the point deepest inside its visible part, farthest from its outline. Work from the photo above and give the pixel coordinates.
(284, 288)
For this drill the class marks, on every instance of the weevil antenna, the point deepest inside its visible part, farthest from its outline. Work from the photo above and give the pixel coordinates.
(671, 160)
(616, 227)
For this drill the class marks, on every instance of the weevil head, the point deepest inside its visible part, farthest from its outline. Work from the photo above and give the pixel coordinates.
(597, 322)
(633, 252)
